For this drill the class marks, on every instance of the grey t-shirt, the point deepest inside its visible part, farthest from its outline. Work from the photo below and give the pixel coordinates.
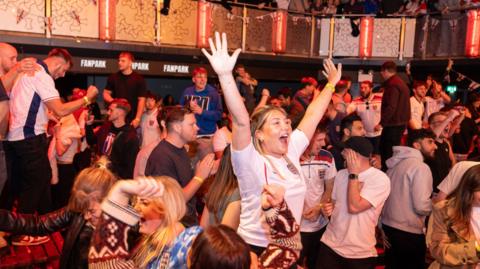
(168, 160)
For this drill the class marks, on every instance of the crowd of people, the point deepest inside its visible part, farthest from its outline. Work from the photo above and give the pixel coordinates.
(233, 178)
(372, 7)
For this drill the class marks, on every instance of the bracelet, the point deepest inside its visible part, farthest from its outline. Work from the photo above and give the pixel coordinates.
(330, 86)
(477, 246)
(199, 179)
(86, 101)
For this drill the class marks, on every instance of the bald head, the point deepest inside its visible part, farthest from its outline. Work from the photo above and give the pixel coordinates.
(8, 57)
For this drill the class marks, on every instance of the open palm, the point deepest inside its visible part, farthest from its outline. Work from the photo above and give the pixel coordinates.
(219, 59)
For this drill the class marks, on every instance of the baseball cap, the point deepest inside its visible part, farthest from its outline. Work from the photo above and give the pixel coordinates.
(359, 144)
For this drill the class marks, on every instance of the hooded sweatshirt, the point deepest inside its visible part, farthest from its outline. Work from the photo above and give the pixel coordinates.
(411, 184)
(211, 103)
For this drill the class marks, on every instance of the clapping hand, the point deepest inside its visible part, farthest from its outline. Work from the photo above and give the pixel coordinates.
(220, 61)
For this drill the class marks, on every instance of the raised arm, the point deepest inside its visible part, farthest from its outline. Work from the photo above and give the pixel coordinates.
(318, 106)
(223, 65)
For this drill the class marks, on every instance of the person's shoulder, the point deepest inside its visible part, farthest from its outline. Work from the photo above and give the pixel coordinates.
(115, 75)
(188, 90)
(378, 175)
(358, 99)
(212, 90)
(324, 155)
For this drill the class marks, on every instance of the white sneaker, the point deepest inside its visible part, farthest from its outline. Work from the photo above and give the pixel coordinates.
(27, 240)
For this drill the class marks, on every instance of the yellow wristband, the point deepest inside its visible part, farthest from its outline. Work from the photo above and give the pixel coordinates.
(86, 101)
(330, 86)
(477, 246)
(199, 179)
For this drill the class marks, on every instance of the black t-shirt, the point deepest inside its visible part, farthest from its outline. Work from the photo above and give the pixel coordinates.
(461, 141)
(440, 164)
(168, 160)
(129, 87)
(3, 93)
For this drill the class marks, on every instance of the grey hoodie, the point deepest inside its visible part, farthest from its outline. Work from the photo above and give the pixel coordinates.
(411, 187)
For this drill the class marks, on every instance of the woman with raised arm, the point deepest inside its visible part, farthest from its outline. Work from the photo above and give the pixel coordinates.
(266, 150)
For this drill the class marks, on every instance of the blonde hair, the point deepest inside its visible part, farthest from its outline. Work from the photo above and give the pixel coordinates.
(171, 206)
(91, 184)
(258, 119)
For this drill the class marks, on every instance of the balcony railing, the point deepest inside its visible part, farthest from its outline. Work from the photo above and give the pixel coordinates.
(264, 31)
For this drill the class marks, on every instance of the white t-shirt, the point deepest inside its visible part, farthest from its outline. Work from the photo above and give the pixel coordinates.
(315, 171)
(221, 139)
(150, 128)
(249, 167)
(28, 113)
(451, 181)
(369, 110)
(353, 235)
(417, 109)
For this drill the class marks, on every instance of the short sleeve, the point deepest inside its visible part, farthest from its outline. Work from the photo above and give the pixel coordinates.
(452, 180)
(3, 93)
(248, 167)
(376, 190)
(331, 171)
(142, 86)
(45, 87)
(298, 144)
(234, 197)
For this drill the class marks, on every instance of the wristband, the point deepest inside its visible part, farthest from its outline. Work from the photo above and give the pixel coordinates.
(86, 101)
(477, 246)
(330, 87)
(199, 179)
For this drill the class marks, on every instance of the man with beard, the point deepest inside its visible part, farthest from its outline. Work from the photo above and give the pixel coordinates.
(170, 158)
(409, 202)
(368, 107)
(417, 105)
(116, 139)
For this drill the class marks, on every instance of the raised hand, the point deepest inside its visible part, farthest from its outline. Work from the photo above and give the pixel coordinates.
(143, 187)
(332, 73)
(92, 92)
(220, 61)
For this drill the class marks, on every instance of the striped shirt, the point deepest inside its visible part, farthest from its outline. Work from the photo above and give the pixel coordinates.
(316, 171)
(28, 113)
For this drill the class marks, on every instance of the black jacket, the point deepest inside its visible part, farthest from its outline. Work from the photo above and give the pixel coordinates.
(395, 102)
(124, 149)
(77, 239)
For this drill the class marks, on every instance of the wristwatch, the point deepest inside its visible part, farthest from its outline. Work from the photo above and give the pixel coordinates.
(352, 176)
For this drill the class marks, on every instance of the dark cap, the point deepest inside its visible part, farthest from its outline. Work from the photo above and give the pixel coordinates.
(359, 144)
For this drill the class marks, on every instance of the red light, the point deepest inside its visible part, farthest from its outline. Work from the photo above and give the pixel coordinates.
(366, 37)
